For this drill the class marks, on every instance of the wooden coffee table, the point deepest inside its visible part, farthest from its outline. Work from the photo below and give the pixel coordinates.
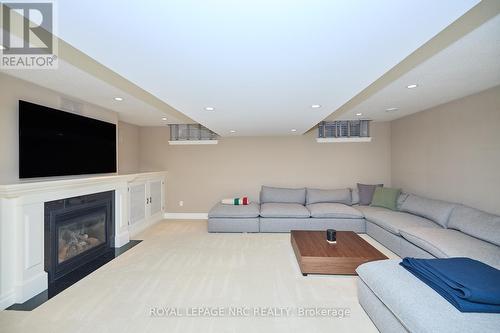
(316, 256)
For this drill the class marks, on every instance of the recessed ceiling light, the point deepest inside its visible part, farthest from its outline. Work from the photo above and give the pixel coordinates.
(359, 114)
(411, 86)
(164, 118)
(232, 131)
(315, 106)
(209, 108)
(119, 99)
(391, 109)
(294, 130)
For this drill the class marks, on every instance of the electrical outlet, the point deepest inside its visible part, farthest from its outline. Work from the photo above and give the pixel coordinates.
(181, 203)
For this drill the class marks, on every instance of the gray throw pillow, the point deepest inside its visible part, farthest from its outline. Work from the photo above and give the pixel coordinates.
(366, 193)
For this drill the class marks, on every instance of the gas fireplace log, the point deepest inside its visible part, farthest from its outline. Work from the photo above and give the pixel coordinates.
(63, 252)
(92, 241)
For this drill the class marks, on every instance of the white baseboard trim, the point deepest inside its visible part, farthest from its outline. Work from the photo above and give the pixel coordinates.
(186, 216)
(31, 287)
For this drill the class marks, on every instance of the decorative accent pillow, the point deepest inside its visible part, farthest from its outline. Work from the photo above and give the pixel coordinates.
(236, 201)
(366, 193)
(386, 197)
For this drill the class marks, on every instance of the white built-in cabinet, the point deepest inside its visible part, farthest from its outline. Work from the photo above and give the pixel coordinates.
(146, 203)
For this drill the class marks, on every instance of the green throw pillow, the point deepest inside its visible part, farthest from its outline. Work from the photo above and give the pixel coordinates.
(386, 197)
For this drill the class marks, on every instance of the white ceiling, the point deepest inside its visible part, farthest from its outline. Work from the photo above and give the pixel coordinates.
(83, 87)
(261, 64)
(469, 65)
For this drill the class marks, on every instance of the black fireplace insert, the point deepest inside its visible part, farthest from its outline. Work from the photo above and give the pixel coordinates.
(77, 231)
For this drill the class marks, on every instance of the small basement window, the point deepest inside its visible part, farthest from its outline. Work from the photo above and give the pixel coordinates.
(344, 131)
(191, 134)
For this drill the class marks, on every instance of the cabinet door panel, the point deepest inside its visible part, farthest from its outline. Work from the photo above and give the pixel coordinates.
(155, 195)
(137, 203)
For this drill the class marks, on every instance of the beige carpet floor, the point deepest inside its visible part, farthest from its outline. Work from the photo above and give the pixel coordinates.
(180, 267)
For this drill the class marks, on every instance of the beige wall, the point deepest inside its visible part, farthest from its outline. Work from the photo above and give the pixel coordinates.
(128, 148)
(202, 175)
(11, 91)
(451, 152)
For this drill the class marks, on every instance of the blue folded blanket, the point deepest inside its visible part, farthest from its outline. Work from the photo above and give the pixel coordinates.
(469, 285)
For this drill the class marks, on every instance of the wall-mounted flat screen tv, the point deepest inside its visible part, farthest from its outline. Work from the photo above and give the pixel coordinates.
(58, 143)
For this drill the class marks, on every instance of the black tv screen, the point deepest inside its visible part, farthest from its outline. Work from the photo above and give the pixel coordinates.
(58, 143)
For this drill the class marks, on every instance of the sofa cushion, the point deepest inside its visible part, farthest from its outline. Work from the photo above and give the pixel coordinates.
(476, 223)
(386, 197)
(417, 306)
(402, 198)
(435, 210)
(446, 243)
(284, 210)
(367, 210)
(278, 224)
(366, 193)
(241, 224)
(342, 196)
(334, 210)
(283, 195)
(355, 196)
(232, 211)
(395, 221)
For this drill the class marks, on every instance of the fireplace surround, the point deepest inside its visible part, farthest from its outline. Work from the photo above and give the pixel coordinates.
(77, 231)
(22, 225)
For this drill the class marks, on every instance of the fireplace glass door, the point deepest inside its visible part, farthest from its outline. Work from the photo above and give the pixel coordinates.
(77, 231)
(81, 235)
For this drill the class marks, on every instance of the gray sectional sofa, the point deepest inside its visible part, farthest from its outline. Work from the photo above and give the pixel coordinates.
(427, 228)
(420, 227)
(283, 209)
(395, 300)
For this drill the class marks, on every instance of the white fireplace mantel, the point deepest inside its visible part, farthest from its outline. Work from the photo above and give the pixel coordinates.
(24, 188)
(22, 273)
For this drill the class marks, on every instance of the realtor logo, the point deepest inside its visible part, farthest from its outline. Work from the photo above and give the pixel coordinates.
(27, 36)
